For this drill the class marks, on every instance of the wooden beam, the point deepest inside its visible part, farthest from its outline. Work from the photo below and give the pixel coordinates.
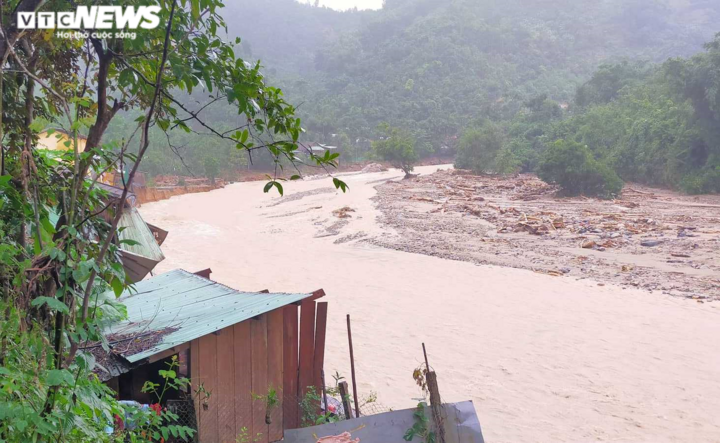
(307, 347)
(205, 273)
(168, 352)
(313, 296)
(319, 355)
(345, 397)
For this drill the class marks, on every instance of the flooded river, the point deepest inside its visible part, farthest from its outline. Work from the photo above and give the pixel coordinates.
(543, 358)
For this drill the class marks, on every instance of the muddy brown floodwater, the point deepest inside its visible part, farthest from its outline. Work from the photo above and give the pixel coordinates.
(545, 353)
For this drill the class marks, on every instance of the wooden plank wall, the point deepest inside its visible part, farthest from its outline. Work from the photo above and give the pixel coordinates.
(276, 351)
(275, 370)
(243, 382)
(290, 367)
(307, 346)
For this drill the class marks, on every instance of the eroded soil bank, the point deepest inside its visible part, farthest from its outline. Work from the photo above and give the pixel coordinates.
(544, 358)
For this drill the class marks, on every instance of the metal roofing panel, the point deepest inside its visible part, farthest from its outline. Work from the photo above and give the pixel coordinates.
(136, 229)
(178, 307)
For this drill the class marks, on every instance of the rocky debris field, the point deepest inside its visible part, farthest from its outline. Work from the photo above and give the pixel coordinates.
(648, 238)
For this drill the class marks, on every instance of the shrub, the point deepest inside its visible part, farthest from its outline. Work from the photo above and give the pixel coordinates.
(705, 182)
(397, 147)
(573, 167)
(478, 149)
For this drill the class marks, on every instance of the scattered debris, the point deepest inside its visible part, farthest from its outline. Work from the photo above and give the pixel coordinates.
(650, 243)
(373, 167)
(520, 222)
(343, 212)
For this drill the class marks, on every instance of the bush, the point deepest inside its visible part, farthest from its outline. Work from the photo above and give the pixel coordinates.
(397, 147)
(573, 167)
(705, 182)
(478, 149)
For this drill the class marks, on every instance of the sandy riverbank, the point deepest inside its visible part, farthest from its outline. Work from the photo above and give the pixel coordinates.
(544, 358)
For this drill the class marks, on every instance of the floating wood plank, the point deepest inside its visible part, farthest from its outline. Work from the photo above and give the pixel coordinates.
(307, 346)
(226, 385)
(258, 339)
(275, 370)
(208, 376)
(319, 356)
(290, 368)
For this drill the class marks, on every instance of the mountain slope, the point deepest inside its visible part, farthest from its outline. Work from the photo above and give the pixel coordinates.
(434, 66)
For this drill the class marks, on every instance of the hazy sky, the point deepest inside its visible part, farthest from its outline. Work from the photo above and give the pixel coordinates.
(348, 4)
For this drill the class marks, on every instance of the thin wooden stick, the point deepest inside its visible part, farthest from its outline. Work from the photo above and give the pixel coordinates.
(352, 368)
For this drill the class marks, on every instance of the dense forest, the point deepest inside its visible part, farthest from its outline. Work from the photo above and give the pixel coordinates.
(450, 71)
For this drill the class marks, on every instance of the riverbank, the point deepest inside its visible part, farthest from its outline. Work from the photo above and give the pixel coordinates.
(544, 358)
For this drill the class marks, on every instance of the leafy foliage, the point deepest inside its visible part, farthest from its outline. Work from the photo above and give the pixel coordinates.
(573, 167)
(663, 130)
(479, 150)
(60, 267)
(434, 67)
(398, 147)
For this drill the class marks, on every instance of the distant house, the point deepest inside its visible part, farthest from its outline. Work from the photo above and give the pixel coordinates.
(61, 140)
(232, 345)
(56, 139)
(319, 148)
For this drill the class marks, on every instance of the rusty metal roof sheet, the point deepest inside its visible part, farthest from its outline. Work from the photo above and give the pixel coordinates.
(177, 307)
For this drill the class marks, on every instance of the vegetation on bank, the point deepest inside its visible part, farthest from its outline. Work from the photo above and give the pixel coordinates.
(60, 269)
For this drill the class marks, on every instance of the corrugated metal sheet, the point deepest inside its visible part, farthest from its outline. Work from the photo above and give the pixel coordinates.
(136, 229)
(182, 306)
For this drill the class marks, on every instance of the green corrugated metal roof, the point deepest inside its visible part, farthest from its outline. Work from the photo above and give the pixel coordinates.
(181, 306)
(136, 229)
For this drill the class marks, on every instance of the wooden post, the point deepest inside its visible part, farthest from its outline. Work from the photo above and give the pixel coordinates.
(352, 369)
(343, 388)
(436, 405)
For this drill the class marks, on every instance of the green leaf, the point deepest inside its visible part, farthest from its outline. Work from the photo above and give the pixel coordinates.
(57, 377)
(117, 286)
(339, 184)
(195, 8)
(268, 187)
(52, 303)
(279, 187)
(129, 242)
(295, 177)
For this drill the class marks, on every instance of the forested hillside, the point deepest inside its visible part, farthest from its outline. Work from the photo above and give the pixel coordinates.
(439, 69)
(434, 66)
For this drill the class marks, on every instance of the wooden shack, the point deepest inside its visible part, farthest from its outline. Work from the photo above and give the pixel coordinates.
(234, 346)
